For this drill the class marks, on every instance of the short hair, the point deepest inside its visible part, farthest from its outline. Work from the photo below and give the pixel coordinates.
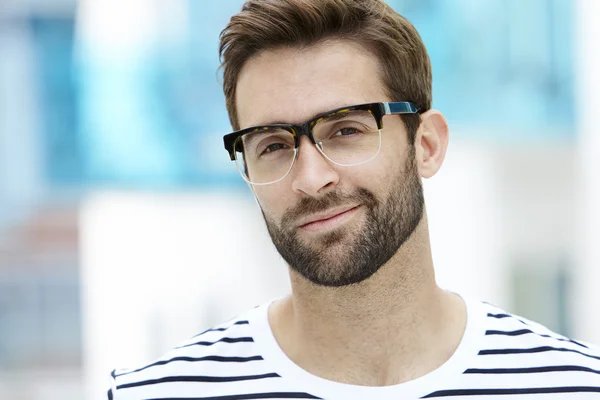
(405, 68)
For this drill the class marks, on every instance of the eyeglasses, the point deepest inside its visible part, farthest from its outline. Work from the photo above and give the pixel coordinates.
(346, 136)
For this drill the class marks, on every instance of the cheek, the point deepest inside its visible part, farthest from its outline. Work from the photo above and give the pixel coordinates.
(394, 159)
(272, 202)
(373, 175)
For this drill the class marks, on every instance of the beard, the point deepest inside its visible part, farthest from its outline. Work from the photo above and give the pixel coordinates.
(348, 256)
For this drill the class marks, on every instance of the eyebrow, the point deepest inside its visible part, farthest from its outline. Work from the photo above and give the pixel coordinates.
(338, 115)
(328, 115)
(262, 129)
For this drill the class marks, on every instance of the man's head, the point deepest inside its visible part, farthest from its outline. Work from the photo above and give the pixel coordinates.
(403, 63)
(285, 61)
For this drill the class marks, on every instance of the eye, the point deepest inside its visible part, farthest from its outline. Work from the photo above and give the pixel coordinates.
(346, 132)
(273, 147)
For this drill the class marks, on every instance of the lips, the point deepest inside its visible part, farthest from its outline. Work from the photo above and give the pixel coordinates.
(327, 215)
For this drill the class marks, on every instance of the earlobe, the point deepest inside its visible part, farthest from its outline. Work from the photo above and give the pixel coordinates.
(431, 143)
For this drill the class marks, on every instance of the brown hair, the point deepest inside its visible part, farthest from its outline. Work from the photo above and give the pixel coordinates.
(267, 24)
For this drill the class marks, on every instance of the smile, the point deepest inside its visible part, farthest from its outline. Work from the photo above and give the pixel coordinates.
(329, 221)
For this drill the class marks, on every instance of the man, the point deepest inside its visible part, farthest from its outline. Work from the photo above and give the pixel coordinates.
(330, 100)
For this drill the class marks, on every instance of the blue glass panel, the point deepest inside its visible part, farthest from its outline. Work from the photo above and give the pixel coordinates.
(505, 65)
(157, 119)
(53, 44)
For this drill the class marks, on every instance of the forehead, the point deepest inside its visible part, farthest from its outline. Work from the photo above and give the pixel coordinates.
(291, 85)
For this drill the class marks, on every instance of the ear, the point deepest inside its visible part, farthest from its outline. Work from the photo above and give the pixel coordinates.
(431, 143)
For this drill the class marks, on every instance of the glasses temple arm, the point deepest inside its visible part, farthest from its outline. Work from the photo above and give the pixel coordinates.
(401, 107)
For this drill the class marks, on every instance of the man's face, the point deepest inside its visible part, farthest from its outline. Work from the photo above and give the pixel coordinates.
(334, 225)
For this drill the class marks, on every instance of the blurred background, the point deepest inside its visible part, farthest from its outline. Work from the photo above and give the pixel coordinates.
(124, 227)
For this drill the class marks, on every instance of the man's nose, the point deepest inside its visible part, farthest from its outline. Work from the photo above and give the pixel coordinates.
(312, 173)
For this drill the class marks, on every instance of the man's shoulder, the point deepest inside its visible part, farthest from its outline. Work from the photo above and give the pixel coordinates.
(514, 340)
(224, 350)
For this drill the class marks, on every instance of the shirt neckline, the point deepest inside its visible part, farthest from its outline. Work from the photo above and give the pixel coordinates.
(435, 380)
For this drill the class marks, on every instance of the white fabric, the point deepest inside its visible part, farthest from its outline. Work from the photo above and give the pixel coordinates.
(530, 362)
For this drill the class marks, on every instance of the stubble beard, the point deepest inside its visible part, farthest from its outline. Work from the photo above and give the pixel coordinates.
(344, 256)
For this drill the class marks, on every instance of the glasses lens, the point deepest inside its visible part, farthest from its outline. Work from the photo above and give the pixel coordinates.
(265, 155)
(348, 137)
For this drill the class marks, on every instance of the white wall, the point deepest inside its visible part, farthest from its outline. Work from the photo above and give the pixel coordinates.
(157, 269)
(586, 307)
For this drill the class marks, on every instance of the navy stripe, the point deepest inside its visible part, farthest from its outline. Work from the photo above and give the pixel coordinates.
(197, 359)
(109, 394)
(498, 315)
(528, 331)
(211, 379)
(224, 340)
(499, 392)
(531, 370)
(504, 315)
(222, 329)
(249, 396)
(578, 343)
(512, 333)
(541, 349)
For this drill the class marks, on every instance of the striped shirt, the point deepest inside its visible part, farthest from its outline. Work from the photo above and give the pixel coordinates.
(501, 356)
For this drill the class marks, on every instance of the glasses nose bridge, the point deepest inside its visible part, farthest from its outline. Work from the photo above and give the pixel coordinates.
(304, 129)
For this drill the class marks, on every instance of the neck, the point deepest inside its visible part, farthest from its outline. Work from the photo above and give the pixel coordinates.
(398, 323)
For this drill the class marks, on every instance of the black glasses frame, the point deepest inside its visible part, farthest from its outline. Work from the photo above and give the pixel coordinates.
(297, 130)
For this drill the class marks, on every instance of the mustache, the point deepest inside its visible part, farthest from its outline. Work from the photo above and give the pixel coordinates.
(310, 205)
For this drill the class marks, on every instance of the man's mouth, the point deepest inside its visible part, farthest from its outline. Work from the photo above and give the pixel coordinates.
(327, 219)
